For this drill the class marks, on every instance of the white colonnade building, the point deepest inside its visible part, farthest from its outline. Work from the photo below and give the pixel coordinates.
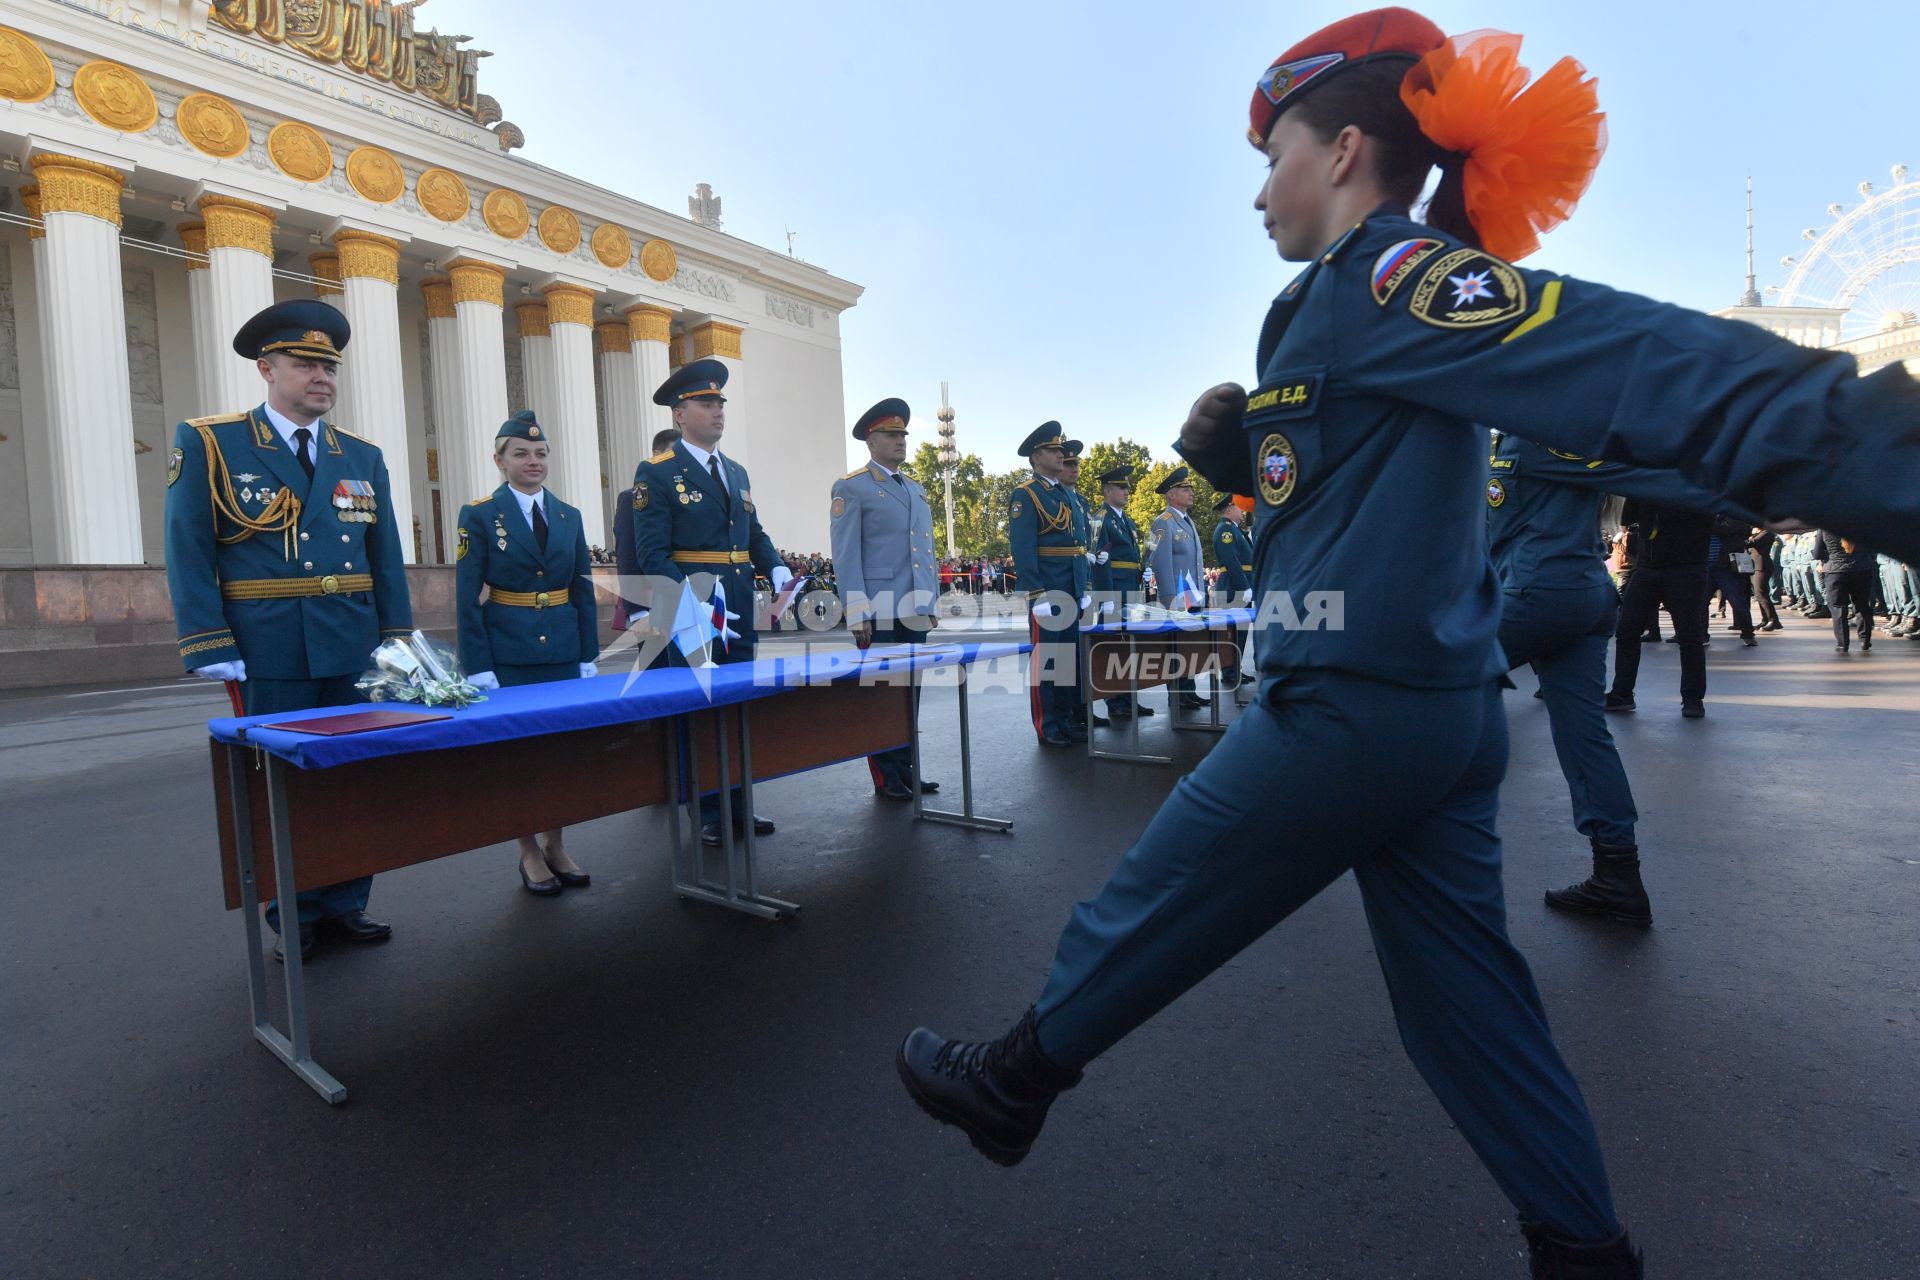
(172, 167)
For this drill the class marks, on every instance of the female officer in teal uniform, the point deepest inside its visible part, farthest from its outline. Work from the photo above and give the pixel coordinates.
(1378, 746)
(526, 603)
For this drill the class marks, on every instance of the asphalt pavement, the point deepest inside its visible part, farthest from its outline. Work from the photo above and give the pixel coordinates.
(617, 1083)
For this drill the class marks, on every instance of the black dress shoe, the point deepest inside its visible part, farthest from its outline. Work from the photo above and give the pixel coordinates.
(358, 926)
(308, 940)
(1101, 722)
(573, 879)
(894, 791)
(1055, 740)
(1748, 641)
(1074, 733)
(928, 787)
(1619, 702)
(1693, 709)
(762, 826)
(1192, 702)
(1142, 711)
(548, 888)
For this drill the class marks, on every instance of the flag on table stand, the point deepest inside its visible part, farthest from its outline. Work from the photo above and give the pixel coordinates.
(1190, 596)
(718, 621)
(692, 631)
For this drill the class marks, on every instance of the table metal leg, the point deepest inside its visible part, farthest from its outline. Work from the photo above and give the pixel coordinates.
(685, 864)
(249, 888)
(294, 1048)
(1213, 724)
(739, 858)
(967, 817)
(1136, 755)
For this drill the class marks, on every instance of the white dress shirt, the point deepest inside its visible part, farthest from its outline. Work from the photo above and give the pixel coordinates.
(527, 502)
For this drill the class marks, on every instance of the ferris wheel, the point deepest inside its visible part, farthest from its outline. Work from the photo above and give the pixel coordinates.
(1866, 261)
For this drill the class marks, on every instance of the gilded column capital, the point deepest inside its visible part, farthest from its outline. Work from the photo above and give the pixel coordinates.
(193, 238)
(366, 256)
(69, 184)
(569, 304)
(612, 336)
(715, 338)
(30, 197)
(531, 319)
(237, 224)
(477, 281)
(649, 323)
(325, 267)
(437, 293)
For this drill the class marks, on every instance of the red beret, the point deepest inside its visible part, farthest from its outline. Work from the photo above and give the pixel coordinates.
(1365, 37)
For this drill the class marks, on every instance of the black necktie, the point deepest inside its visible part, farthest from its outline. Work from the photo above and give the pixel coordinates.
(713, 466)
(539, 527)
(303, 449)
(899, 479)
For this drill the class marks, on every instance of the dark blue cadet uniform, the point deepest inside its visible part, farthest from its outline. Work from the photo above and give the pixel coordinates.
(1559, 607)
(1378, 743)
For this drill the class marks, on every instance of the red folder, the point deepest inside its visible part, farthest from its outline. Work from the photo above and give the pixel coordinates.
(357, 722)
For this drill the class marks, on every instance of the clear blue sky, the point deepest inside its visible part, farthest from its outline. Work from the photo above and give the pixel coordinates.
(1050, 204)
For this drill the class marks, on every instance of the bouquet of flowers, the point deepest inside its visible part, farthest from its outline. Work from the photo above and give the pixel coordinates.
(415, 669)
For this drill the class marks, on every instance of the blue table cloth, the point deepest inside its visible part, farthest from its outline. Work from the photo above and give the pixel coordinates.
(587, 704)
(1205, 620)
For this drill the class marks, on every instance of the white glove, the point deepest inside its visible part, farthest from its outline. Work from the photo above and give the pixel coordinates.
(484, 680)
(1109, 606)
(1086, 602)
(1102, 557)
(780, 577)
(1043, 610)
(1249, 595)
(588, 670)
(235, 670)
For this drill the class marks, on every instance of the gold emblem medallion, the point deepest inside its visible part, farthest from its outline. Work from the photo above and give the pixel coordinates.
(375, 174)
(213, 125)
(299, 151)
(115, 96)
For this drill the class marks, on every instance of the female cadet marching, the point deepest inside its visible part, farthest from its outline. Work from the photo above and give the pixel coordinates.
(1378, 747)
(526, 602)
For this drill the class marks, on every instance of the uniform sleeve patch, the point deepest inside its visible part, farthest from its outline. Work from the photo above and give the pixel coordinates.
(642, 496)
(1288, 395)
(1468, 289)
(1391, 268)
(839, 507)
(174, 459)
(461, 545)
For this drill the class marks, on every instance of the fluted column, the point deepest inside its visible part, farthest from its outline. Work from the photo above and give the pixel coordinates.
(96, 496)
(207, 344)
(451, 433)
(36, 446)
(479, 314)
(716, 340)
(571, 419)
(652, 331)
(626, 425)
(536, 354)
(239, 286)
(373, 402)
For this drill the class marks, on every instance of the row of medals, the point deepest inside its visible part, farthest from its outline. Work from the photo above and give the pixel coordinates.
(499, 533)
(680, 487)
(354, 502)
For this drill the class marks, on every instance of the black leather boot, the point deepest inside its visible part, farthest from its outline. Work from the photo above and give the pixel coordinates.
(1614, 890)
(997, 1091)
(1551, 1258)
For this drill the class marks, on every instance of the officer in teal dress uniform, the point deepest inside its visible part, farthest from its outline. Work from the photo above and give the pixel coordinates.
(526, 607)
(1233, 553)
(694, 522)
(883, 563)
(1116, 566)
(1378, 742)
(1048, 535)
(1083, 529)
(283, 557)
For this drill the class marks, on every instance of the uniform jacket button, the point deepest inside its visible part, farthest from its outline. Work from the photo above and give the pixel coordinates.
(543, 639)
(349, 564)
(343, 537)
(304, 536)
(539, 573)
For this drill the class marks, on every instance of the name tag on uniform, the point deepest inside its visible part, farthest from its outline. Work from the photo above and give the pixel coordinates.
(1286, 395)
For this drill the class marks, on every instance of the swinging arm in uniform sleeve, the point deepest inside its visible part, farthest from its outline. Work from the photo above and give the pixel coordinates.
(1760, 423)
